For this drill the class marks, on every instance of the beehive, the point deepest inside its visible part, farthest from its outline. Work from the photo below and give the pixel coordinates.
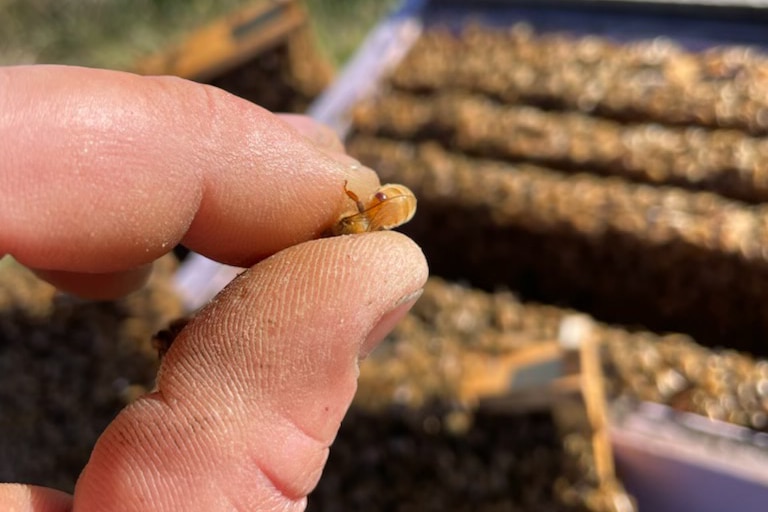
(618, 175)
(264, 52)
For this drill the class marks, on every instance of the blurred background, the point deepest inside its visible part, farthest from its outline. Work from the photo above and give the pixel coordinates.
(115, 33)
(592, 179)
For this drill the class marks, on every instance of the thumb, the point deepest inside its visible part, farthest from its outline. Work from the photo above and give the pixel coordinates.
(252, 392)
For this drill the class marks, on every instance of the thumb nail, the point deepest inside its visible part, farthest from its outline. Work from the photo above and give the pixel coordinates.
(387, 322)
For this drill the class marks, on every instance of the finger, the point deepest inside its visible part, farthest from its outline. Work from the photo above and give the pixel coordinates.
(30, 498)
(319, 134)
(98, 286)
(105, 171)
(252, 392)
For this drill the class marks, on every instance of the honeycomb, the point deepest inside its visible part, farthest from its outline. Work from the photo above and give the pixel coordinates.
(559, 175)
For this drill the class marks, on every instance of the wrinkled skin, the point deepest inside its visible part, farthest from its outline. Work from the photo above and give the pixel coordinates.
(103, 172)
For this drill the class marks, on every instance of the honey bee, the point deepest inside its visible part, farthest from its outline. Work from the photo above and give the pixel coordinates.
(391, 206)
(163, 340)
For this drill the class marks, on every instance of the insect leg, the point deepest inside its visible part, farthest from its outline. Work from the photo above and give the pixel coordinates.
(354, 197)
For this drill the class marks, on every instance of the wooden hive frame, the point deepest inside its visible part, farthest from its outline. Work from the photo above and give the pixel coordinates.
(235, 39)
(227, 42)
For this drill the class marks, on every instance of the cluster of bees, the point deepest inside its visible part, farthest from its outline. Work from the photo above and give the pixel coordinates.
(405, 461)
(674, 370)
(652, 80)
(455, 320)
(670, 369)
(624, 181)
(432, 353)
(727, 161)
(454, 323)
(542, 199)
(531, 187)
(68, 366)
(664, 254)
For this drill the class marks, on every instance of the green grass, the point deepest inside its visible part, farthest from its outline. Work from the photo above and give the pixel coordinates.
(341, 25)
(115, 33)
(101, 33)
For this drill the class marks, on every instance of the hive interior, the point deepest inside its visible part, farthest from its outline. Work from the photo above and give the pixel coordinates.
(622, 217)
(284, 78)
(621, 180)
(68, 366)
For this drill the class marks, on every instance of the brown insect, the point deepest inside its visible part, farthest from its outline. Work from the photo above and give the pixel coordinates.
(163, 340)
(392, 205)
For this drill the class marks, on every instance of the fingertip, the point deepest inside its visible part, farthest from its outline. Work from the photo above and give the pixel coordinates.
(319, 134)
(158, 160)
(32, 498)
(103, 286)
(388, 322)
(255, 387)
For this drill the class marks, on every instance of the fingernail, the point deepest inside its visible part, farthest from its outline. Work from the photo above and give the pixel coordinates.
(352, 164)
(387, 322)
(319, 134)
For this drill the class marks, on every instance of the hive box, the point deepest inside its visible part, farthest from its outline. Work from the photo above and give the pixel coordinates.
(670, 461)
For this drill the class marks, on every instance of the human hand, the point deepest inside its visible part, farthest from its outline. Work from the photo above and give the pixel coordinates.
(103, 172)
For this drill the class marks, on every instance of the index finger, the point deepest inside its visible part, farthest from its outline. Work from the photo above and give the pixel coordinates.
(104, 171)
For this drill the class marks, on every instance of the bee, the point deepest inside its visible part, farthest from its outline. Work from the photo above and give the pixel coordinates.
(391, 206)
(163, 340)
